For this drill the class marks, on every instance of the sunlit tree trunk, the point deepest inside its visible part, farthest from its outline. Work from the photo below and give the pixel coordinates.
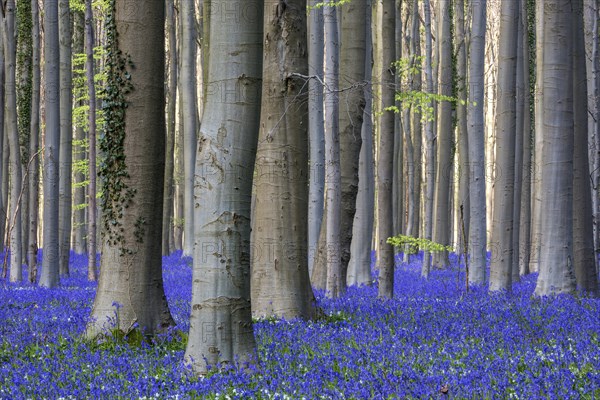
(130, 291)
(525, 201)
(3, 149)
(14, 215)
(316, 130)
(556, 257)
(359, 266)
(34, 167)
(167, 220)
(441, 226)
(280, 283)
(190, 118)
(92, 207)
(221, 319)
(503, 214)
(583, 231)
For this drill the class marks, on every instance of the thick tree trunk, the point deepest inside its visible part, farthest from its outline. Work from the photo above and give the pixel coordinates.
(316, 130)
(14, 215)
(441, 227)
(190, 119)
(583, 231)
(34, 167)
(556, 257)
(503, 214)
(359, 266)
(167, 219)
(66, 136)
(92, 207)
(280, 282)
(130, 291)
(221, 319)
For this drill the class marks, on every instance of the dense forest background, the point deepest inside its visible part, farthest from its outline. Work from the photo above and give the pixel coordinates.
(279, 143)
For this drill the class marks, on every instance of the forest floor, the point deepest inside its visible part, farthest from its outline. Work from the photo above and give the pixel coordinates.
(434, 340)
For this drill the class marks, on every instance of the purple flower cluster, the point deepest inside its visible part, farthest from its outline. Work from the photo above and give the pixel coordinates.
(433, 340)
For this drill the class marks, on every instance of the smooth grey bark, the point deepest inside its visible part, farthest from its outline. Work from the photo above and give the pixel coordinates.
(221, 318)
(385, 149)
(3, 151)
(359, 266)
(190, 118)
(169, 190)
(430, 138)
(130, 290)
(92, 206)
(280, 282)
(400, 126)
(351, 115)
(79, 231)
(413, 137)
(464, 199)
(15, 173)
(504, 186)
(336, 280)
(583, 230)
(34, 144)
(66, 136)
(556, 257)
(520, 111)
(316, 129)
(526, 214)
(441, 226)
(50, 262)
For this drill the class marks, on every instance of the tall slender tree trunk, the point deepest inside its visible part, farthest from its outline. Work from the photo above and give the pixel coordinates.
(66, 136)
(316, 180)
(50, 261)
(221, 318)
(190, 118)
(3, 149)
(583, 230)
(385, 149)
(336, 280)
(430, 139)
(351, 116)
(14, 216)
(130, 290)
(92, 206)
(167, 220)
(359, 266)
(526, 214)
(280, 283)
(556, 257)
(464, 199)
(503, 214)
(34, 167)
(441, 227)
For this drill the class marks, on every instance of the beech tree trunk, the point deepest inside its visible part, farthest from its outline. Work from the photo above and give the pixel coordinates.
(190, 119)
(359, 266)
(14, 215)
(130, 290)
(556, 257)
(221, 319)
(66, 136)
(34, 144)
(280, 282)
